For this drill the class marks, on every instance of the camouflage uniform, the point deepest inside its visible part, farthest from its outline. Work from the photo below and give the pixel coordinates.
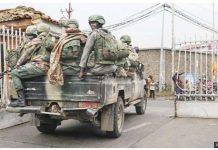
(38, 56)
(31, 33)
(93, 43)
(122, 61)
(71, 52)
(13, 56)
(132, 60)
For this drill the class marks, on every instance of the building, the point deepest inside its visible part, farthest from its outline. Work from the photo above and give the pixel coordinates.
(22, 16)
(195, 62)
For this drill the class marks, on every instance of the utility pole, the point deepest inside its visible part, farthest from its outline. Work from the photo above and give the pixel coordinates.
(68, 11)
(161, 78)
(173, 45)
(213, 22)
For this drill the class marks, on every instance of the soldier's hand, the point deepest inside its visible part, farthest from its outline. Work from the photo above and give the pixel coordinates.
(16, 66)
(81, 74)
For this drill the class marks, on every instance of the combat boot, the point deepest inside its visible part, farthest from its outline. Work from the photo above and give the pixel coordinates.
(20, 102)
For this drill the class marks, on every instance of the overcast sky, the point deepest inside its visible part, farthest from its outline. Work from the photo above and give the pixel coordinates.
(146, 33)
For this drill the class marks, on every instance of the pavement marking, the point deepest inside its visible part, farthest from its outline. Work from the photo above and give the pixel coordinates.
(137, 126)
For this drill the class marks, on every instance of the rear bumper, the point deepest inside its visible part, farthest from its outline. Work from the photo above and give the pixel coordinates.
(40, 110)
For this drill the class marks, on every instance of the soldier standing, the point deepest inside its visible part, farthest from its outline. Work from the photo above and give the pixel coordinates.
(38, 62)
(94, 43)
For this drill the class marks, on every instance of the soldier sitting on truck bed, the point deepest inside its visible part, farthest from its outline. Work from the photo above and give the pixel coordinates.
(65, 56)
(38, 56)
(97, 42)
(123, 53)
(14, 55)
(132, 60)
(133, 63)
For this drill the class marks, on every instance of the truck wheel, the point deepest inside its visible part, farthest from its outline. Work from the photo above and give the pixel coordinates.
(46, 128)
(118, 119)
(141, 106)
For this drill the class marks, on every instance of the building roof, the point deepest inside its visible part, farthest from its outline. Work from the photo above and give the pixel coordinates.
(23, 12)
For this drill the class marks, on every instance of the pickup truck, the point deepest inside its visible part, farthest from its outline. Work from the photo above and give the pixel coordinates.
(100, 100)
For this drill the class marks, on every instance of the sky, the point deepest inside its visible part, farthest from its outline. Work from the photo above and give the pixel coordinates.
(144, 34)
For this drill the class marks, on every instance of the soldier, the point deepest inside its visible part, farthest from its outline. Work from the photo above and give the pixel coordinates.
(13, 56)
(38, 62)
(133, 56)
(95, 43)
(67, 52)
(123, 53)
(31, 33)
(72, 50)
(133, 63)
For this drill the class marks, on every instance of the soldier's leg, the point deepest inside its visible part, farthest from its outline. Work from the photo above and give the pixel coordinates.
(120, 72)
(70, 70)
(23, 72)
(103, 69)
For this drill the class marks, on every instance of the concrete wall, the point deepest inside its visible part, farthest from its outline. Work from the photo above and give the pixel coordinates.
(197, 109)
(151, 59)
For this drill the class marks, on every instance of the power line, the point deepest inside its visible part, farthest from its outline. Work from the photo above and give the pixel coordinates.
(128, 19)
(209, 23)
(136, 19)
(196, 22)
(141, 12)
(155, 9)
(143, 19)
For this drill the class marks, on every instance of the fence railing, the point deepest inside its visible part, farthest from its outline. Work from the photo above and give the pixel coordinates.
(9, 39)
(196, 67)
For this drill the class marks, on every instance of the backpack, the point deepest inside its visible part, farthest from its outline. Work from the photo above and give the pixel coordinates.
(109, 46)
(122, 50)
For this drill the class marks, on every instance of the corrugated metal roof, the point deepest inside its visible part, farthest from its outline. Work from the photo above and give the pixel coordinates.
(23, 12)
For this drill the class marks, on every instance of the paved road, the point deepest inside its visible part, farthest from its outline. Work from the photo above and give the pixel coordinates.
(154, 129)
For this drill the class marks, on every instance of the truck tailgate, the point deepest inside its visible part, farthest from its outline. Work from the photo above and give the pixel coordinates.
(73, 89)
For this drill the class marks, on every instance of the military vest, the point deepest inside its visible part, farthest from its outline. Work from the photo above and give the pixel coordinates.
(98, 47)
(71, 53)
(14, 54)
(24, 45)
(43, 53)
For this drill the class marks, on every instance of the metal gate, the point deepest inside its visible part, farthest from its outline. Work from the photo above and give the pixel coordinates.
(196, 76)
(9, 39)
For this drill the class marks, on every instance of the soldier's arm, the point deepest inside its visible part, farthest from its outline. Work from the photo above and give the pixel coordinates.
(86, 52)
(27, 55)
(50, 42)
(87, 49)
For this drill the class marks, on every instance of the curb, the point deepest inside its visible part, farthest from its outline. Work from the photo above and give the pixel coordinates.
(12, 119)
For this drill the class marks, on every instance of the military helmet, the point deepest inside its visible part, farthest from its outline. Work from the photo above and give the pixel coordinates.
(43, 28)
(71, 21)
(98, 18)
(125, 39)
(31, 30)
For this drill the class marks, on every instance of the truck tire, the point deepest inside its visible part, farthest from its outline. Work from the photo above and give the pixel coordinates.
(118, 119)
(141, 106)
(46, 128)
